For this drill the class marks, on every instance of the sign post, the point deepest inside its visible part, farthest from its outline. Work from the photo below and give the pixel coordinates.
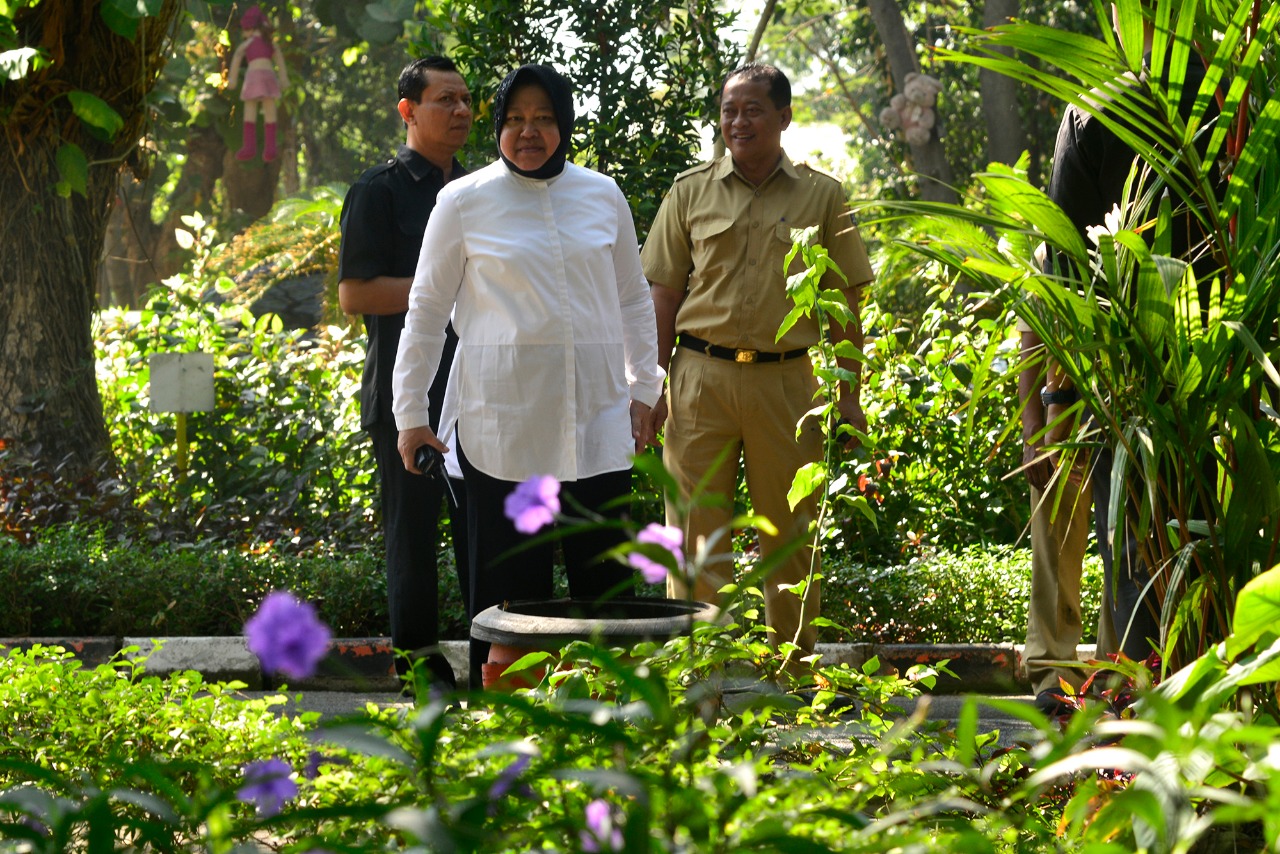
(182, 383)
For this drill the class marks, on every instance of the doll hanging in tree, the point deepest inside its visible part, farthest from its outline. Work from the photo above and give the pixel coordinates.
(262, 86)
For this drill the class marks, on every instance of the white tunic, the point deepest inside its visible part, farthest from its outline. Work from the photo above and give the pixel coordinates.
(555, 324)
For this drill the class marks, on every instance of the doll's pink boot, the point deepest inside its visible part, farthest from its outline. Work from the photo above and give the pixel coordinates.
(250, 146)
(269, 151)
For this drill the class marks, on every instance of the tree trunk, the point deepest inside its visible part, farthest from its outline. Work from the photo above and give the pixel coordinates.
(249, 186)
(50, 407)
(140, 253)
(929, 161)
(1006, 137)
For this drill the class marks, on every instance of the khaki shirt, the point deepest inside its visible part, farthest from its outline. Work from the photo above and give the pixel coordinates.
(723, 242)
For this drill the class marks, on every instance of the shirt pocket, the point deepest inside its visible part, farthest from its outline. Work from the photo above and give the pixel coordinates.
(712, 246)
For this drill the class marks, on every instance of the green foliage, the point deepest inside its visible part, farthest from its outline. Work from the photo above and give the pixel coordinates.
(280, 456)
(648, 74)
(300, 238)
(940, 471)
(1172, 358)
(111, 759)
(684, 746)
(80, 580)
(690, 760)
(837, 44)
(977, 594)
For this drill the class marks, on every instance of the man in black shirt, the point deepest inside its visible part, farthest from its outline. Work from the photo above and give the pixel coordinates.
(383, 219)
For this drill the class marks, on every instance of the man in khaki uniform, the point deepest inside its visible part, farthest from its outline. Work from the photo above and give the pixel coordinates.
(714, 260)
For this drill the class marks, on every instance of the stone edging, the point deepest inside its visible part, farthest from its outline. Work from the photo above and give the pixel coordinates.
(367, 664)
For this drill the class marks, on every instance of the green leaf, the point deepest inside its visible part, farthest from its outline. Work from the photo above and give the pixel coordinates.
(73, 167)
(391, 11)
(789, 321)
(123, 16)
(1257, 611)
(1251, 343)
(532, 659)
(1262, 669)
(95, 112)
(809, 477)
(1191, 680)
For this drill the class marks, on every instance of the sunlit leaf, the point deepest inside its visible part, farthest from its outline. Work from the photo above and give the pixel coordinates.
(73, 167)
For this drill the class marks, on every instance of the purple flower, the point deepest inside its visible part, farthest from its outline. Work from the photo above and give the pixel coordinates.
(508, 776)
(267, 785)
(534, 503)
(667, 536)
(314, 761)
(287, 636)
(602, 833)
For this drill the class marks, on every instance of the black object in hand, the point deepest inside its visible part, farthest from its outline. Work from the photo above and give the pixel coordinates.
(428, 460)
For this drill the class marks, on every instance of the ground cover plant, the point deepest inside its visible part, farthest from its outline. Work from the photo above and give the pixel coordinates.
(688, 746)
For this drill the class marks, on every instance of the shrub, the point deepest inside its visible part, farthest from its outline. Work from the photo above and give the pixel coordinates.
(80, 581)
(938, 477)
(973, 595)
(279, 459)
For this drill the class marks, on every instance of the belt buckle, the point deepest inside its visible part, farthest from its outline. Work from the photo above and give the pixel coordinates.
(744, 357)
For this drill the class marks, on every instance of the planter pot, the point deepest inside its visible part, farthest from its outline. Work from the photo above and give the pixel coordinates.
(515, 629)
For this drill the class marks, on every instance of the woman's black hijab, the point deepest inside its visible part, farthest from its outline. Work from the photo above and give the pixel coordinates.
(560, 90)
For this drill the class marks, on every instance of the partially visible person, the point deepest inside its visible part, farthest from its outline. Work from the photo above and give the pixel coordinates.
(265, 80)
(1091, 166)
(557, 368)
(1061, 519)
(383, 218)
(715, 260)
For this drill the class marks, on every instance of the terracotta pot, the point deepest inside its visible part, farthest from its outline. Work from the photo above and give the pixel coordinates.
(502, 656)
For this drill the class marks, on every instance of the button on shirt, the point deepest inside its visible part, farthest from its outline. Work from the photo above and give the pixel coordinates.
(556, 325)
(724, 242)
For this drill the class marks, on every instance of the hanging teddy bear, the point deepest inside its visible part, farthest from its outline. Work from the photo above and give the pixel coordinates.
(911, 110)
(264, 81)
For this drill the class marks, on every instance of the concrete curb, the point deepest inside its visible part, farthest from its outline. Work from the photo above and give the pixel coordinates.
(368, 664)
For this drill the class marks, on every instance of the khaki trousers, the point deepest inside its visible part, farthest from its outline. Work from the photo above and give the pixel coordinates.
(1054, 627)
(723, 414)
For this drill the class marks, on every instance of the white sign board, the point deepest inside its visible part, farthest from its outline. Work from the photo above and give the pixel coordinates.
(181, 382)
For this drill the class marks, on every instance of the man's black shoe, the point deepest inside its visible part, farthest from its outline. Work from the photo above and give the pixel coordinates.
(1053, 704)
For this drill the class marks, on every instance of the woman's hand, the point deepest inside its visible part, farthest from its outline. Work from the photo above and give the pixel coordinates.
(641, 426)
(657, 420)
(413, 439)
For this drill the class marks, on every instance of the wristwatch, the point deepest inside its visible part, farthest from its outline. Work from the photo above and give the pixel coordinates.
(1061, 397)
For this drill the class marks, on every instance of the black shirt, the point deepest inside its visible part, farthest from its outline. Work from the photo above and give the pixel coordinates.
(383, 218)
(1091, 164)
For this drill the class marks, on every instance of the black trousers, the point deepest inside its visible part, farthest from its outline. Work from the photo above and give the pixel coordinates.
(498, 575)
(411, 506)
(1136, 616)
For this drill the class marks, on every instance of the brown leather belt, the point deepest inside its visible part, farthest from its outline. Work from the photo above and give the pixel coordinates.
(744, 357)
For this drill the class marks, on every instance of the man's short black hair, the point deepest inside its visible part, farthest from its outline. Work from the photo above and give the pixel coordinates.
(757, 72)
(413, 79)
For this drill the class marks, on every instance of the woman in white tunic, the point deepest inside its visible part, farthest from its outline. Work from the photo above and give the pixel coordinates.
(536, 259)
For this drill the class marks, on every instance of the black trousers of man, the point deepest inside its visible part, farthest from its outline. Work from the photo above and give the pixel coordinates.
(500, 575)
(411, 507)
